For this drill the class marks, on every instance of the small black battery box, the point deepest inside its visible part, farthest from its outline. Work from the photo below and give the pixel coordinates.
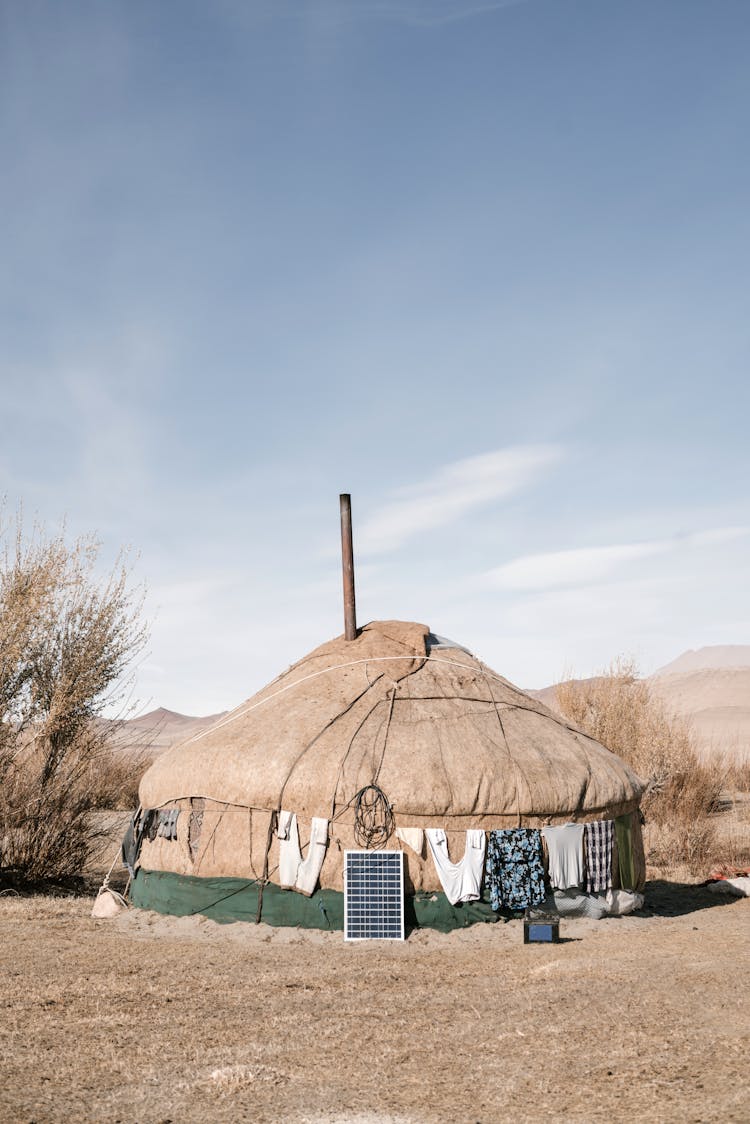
(541, 928)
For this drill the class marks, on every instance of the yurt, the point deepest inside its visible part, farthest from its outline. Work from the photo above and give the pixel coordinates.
(398, 744)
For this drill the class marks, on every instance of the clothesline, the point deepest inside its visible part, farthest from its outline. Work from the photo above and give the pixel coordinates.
(509, 861)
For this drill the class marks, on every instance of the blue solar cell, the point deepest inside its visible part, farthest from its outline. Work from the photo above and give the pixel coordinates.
(373, 895)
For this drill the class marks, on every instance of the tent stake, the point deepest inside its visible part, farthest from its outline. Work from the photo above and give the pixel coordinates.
(347, 562)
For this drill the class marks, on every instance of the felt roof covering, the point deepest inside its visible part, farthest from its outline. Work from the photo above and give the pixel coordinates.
(448, 740)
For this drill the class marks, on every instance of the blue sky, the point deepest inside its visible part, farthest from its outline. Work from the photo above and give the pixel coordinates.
(483, 265)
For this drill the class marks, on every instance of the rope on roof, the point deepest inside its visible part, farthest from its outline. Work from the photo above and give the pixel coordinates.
(486, 672)
(325, 671)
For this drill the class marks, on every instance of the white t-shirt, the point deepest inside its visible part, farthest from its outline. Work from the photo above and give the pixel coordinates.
(462, 882)
(565, 850)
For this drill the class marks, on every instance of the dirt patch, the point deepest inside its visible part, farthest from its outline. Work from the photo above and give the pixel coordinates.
(146, 1018)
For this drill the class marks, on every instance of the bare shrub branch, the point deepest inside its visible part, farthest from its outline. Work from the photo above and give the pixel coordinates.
(68, 641)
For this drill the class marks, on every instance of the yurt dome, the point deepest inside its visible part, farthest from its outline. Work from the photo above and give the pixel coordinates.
(392, 733)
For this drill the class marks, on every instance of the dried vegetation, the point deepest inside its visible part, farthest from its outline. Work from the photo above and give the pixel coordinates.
(685, 794)
(148, 1018)
(68, 638)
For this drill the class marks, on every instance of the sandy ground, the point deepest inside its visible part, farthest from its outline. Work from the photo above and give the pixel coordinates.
(153, 1019)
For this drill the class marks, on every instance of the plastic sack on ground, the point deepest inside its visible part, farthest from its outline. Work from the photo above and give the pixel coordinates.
(108, 903)
(740, 887)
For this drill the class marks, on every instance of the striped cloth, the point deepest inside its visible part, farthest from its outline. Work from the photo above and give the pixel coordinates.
(599, 839)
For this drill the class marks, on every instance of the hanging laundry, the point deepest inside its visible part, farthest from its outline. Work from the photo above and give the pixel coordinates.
(514, 871)
(309, 868)
(412, 836)
(133, 839)
(167, 828)
(151, 824)
(599, 837)
(565, 851)
(294, 872)
(625, 856)
(290, 855)
(462, 882)
(283, 824)
(195, 825)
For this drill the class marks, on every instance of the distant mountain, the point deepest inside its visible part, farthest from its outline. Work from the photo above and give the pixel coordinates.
(705, 659)
(710, 688)
(159, 729)
(548, 695)
(716, 702)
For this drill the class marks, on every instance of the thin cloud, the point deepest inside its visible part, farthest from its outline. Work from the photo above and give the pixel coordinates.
(412, 13)
(429, 13)
(570, 568)
(451, 492)
(718, 535)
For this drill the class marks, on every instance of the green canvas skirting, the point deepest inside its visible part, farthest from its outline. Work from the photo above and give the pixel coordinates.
(236, 899)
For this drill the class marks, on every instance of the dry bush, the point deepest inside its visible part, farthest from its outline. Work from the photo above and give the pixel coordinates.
(114, 776)
(67, 642)
(738, 773)
(681, 791)
(47, 832)
(733, 850)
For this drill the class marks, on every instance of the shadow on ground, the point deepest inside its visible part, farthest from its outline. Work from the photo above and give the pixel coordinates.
(675, 899)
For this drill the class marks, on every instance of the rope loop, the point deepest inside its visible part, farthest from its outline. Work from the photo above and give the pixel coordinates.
(373, 817)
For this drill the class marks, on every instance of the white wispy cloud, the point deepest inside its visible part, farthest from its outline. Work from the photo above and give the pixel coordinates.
(718, 535)
(452, 491)
(569, 568)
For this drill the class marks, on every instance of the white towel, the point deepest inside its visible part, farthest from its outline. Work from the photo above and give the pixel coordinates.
(294, 872)
(290, 855)
(282, 825)
(412, 836)
(309, 869)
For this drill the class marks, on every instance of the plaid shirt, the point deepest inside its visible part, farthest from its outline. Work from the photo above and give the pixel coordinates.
(599, 838)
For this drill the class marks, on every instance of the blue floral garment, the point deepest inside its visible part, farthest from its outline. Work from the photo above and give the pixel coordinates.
(513, 868)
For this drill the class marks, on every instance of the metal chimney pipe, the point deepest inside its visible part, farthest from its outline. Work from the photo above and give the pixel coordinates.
(347, 565)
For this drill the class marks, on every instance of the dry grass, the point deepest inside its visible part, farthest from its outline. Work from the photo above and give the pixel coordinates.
(737, 772)
(733, 834)
(683, 791)
(154, 1019)
(228, 1080)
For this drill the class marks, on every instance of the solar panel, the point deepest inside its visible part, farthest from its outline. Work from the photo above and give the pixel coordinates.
(373, 895)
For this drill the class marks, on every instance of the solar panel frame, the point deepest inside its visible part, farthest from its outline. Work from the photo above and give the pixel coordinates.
(374, 895)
